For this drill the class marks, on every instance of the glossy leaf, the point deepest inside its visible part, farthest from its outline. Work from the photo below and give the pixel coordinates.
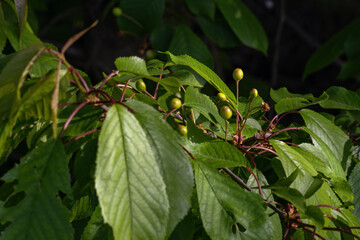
(282, 93)
(331, 50)
(128, 181)
(204, 8)
(185, 41)
(137, 66)
(186, 78)
(292, 195)
(3, 34)
(341, 98)
(12, 78)
(244, 24)
(218, 31)
(354, 181)
(204, 105)
(223, 204)
(218, 154)
(146, 20)
(171, 159)
(96, 229)
(206, 73)
(332, 136)
(41, 175)
(291, 104)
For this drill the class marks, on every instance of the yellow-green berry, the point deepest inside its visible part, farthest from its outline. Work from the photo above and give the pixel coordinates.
(238, 74)
(140, 85)
(221, 97)
(254, 92)
(175, 103)
(225, 112)
(150, 54)
(117, 11)
(182, 129)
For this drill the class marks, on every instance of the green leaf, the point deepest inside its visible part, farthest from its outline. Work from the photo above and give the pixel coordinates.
(218, 31)
(184, 41)
(282, 93)
(137, 66)
(289, 154)
(291, 104)
(341, 98)
(96, 229)
(206, 73)
(314, 186)
(203, 104)
(128, 181)
(343, 189)
(333, 137)
(186, 78)
(292, 195)
(3, 32)
(331, 50)
(284, 182)
(225, 206)
(41, 175)
(354, 181)
(172, 160)
(147, 14)
(350, 69)
(12, 78)
(202, 7)
(217, 154)
(316, 215)
(161, 37)
(244, 24)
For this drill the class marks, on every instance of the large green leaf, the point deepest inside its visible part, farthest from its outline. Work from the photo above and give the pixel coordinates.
(244, 24)
(341, 98)
(146, 13)
(332, 136)
(295, 103)
(292, 195)
(96, 229)
(204, 72)
(41, 175)
(355, 184)
(3, 34)
(203, 104)
(185, 41)
(227, 211)
(291, 160)
(172, 160)
(331, 50)
(218, 154)
(202, 7)
(282, 93)
(218, 31)
(128, 181)
(137, 67)
(12, 78)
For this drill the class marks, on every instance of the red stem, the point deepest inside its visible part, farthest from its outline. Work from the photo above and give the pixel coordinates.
(283, 130)
(107, 78)
(82, 135)
(72, 115)
(329, 206)
(71, 69)
(123, 92)
(257, 181)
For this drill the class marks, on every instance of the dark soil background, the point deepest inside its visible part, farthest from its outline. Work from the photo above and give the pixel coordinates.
(295, 29)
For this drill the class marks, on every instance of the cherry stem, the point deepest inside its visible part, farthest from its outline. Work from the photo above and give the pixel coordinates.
(237, 105)
(71, 69)
(329, 206)
(314, 233)
(172, 111)
(124, 90)
(283, 130)
(72, 115)
(263, 148)
(82, 135)
(107, 78)
(257, 181)
(343, 230)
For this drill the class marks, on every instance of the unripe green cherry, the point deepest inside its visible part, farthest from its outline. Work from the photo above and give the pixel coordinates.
(150, 54)
(254, 92)
(225, 112)
(238, 74)
(140, 85)
(182, 130)
(175, 103)
(221, 97)
(117, 11)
